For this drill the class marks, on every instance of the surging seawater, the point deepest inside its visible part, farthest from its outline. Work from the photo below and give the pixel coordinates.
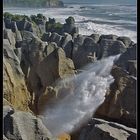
(101, 19)
(81, 102)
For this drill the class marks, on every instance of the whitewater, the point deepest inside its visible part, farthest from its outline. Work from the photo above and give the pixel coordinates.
(80, 103)
(101, 19)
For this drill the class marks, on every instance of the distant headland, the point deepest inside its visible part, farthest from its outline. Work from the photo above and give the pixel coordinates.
(34, 3)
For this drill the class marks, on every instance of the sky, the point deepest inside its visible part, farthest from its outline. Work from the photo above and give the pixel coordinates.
(102, 1)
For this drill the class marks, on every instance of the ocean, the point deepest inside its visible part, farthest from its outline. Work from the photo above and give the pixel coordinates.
(115, 19)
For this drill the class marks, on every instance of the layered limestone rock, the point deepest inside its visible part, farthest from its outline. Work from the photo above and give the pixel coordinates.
(23, 125)
(120, 101)
(98, 129)
(14, 88)
(127, 60)
(126, 40)
(8, 34)
(43, 65)
(84, 54)
(69, 26)
(110, 36)
(55, 66)
(108, 47)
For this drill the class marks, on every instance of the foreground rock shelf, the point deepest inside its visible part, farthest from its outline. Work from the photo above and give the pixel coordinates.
(38, 52)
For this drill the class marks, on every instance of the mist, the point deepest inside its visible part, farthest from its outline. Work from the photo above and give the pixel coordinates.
(79, 104)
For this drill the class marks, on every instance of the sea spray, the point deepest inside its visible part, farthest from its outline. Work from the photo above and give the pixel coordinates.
(81, 102)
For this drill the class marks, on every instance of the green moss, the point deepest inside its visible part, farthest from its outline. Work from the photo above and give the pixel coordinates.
(40, 16)
(8, 15)
(17, 17)
(33, 18)
(58, 25)
(27, 18)
(54, 27)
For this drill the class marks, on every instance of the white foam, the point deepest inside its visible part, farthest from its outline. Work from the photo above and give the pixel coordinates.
(81, 102)
(60, 14)
(90, 27)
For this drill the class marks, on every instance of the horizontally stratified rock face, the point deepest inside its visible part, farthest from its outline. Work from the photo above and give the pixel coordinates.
(98, 129)
(55, 66)
(127, 60)
(19, 125)
(86, 53)
(108, 47)
(43, 64)
(8, 34)
(14, 88)
(120, 102)
(69, 26)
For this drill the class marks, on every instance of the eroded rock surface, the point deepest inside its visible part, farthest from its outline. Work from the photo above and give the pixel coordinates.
(120, 102)
(14, 88)
(24, 126)
(98, 129)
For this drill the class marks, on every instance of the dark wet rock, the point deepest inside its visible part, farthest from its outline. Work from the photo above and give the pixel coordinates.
(14, 26)
(20, 25)
(132, 67)
(109, 47)
(7, 22)
(55, 37)
(86, 53)
(69, 26)
(112, 37)
(95, 37)
(125, 40)
(127, 60)
(116, 106)
(67, 44)
(78, 42)
(88, 42)
(70, 20)
(46, 37)
(25, 25)
(98, 129)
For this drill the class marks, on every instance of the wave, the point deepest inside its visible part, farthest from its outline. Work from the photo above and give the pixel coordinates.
(88, 25)
(90, 28)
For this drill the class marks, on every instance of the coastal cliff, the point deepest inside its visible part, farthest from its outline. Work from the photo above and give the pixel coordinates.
(34, 3)
(43, 61)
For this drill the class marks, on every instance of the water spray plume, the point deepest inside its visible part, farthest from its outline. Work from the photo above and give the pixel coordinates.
(80, 103)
